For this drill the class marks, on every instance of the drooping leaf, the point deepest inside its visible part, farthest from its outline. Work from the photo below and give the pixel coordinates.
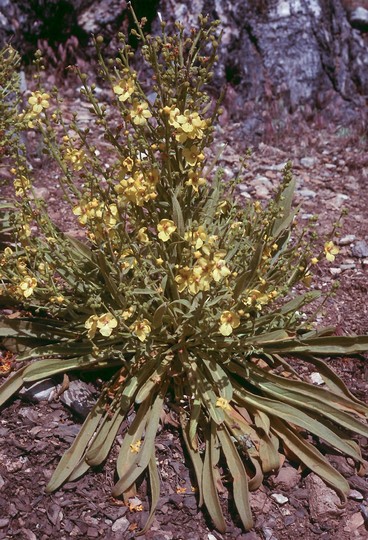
(312, 458)
(239, 475)
(210, 494)
(74, 454)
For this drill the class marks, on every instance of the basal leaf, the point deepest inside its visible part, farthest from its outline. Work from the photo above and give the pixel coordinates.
(239, 475)
(210, 494)
(74, 454)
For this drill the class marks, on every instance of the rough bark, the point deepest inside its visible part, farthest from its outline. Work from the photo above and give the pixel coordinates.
(278, 56)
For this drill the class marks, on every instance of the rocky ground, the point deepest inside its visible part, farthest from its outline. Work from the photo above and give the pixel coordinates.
(331, 166)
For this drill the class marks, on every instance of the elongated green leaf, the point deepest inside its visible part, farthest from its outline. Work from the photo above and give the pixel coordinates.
(219, 376)
(74, 454)
(135, 467)
(296, 303)
(193, 422)
(67, 348)
(194, 456)
(311, 397)
(297, 417)
(312, 458)
(110, 284)
(245, 278)
(210, 494)
(285, 201)
(240, 481)
(12, 385)
(332, 380)
(274, 337)
(268, 452)
(154, 380)
(327, 346)
(44, 330)
(104, 437)
(155, 492)
(178, 215)
(159, 315)
(209, 399)
(127, 455)
(80, 248)
(42, 369)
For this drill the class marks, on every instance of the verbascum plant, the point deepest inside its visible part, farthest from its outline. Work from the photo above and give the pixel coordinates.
(177, 287)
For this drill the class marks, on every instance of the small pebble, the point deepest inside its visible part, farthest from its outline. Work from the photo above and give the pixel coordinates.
(279, 498)
(346, 240)
(316, 378)
(356, 495)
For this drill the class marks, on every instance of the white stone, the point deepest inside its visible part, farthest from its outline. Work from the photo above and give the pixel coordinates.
(283, 9)
(120, 525)
(308, 162)
(356, 495)
(346, 240)
(316, 378)
(279, 498)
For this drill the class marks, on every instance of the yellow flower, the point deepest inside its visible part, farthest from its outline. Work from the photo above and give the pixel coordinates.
(57, 299)
(106, 324)
(183, 279)
(201, 277)
(128, 313)
(165, 229)
(229, 320)
(314, 260)
(21, 185)
(124, 89)
(39, 101)
(141, 329)
(140, 113)
(256, 299)
(142, 236)
(139, 188)
(195, 181)
(196, 238)
(135, 447)
(220, 270)
(91, 326)
(27, 286)
(223, 404)
(75, 157)
(193, 154)
(330, 251)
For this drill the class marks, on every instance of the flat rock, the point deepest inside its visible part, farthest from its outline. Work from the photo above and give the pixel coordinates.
(308, 162)
(286, 479)
(360, 249)
(78, 397)
(279, 498)
(346, 240)
(120, 525)
(323, 501)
